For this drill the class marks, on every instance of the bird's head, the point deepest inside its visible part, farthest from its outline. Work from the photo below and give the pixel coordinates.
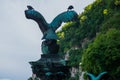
(30, 13)
(70, 7)
(29, 7)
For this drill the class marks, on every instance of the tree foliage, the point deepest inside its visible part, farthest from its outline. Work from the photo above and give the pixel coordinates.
(99, 23)
(73, 59)
(104, 54)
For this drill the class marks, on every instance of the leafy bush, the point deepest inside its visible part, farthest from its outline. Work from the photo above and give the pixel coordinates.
(103, 18)
(75, 57)
(112, 22)
(104, 55)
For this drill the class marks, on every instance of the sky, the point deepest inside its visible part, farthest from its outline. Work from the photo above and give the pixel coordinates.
(20, 38)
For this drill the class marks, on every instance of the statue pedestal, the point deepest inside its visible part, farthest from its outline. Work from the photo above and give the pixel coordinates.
(50, 67)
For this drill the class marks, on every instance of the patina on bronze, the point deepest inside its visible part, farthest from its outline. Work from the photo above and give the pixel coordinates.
(51, 66)
(101, 76)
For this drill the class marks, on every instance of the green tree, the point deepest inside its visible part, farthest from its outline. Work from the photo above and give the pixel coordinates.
(101, 17)
(75, 57)
(104, 55)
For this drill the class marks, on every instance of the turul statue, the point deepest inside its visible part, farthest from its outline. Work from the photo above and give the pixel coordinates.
(48, 29)
(50, 66)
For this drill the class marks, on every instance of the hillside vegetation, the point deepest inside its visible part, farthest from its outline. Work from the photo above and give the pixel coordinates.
(94, 41)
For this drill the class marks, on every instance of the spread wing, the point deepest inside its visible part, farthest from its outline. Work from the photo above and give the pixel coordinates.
(91, 76)
(63, 17)
(101, 75)
(36, 16)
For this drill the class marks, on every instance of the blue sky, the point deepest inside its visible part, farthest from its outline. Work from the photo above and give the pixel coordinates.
(20, 38)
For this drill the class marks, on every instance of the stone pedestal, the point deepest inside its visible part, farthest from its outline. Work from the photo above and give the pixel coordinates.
(50, 67)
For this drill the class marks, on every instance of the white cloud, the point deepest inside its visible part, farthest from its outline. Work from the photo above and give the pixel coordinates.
(5, 79)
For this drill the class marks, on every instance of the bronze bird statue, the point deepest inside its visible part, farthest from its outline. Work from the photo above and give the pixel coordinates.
(48, 29)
